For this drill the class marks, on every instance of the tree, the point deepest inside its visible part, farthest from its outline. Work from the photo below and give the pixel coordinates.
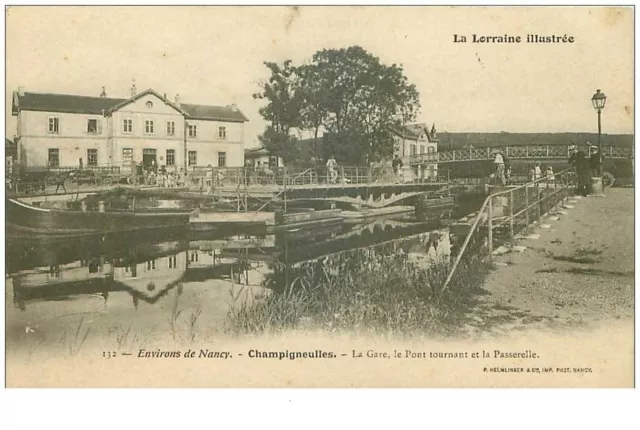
(363, 99)
(282, 110)
(347, 92)
(313, 99)
(279, 144)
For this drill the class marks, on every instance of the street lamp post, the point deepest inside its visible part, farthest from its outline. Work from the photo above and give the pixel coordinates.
(598, 100)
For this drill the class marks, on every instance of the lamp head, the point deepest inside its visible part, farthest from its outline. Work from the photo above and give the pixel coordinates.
(598, 100)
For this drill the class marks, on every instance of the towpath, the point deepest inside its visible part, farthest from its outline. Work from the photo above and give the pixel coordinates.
(576, 270)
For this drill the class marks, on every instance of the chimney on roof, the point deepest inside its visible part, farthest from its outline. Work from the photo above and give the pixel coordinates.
(177, 100)
(103, 94)
(165, 96)
(234, 107)
(134, 90)
(21, 91)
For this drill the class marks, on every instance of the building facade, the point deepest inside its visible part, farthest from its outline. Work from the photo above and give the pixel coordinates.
(261, 158)
(417, 146)
(68, 130)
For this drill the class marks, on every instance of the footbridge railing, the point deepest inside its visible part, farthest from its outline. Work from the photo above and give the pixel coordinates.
(286, 177)
(510, 211)
(531, 152)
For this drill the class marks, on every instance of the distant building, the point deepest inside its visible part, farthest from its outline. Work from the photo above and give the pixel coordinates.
(261, 157)
(415, 144)
(71, 130)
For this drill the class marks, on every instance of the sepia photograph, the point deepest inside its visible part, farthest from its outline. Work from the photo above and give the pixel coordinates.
(319, 196)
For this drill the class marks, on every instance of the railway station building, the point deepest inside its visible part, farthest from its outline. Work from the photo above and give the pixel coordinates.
(59, 130)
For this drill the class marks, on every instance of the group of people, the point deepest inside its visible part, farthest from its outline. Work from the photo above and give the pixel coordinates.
(502, 168)
(333, 176)
(586, 164)
(213, 179)
(154, 175)
(537, 172)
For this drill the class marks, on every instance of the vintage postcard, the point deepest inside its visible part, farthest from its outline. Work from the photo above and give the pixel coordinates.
(307, 196)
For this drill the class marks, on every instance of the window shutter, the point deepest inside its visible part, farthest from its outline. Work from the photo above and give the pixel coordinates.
(99, 126)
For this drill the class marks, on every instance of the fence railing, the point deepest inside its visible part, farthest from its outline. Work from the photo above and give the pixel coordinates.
(291, 177)
(533, 152)
(39, 179)
(506, 213)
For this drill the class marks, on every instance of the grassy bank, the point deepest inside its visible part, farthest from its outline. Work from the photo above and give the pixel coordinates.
(363, 292)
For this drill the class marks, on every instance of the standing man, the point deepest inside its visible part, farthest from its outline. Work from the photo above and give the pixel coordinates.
(537, 171)
(397, 164)
(498, 163)
(60, 180)
(579, 160)
(331, 170)
(595, 160)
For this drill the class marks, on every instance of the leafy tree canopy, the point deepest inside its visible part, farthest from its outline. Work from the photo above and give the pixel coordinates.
(346, 92)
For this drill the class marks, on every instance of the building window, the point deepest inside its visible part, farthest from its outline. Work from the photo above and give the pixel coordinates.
(54, 125)
(128, 126)
(171, 157)
(92, 126)
(222, 132)
(92, 157)
(127, 155)
(148, 127)
(412, 149)
(149, 104)
(421, 149)
(193, 130)
(171, 128)
(193, 158)
(431, 150)
(151, 265)
(173, 262)
(131, 271)
(54, 157)
(222, 159)
(194, 256)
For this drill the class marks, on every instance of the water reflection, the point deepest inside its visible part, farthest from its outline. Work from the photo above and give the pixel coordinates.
(148, 267)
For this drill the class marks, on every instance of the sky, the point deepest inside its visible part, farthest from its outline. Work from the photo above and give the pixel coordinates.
(215, 55)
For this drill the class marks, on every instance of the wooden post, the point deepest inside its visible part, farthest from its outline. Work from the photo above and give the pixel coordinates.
(526, 197)
(246, 186)
(511, 214)
(490, 225)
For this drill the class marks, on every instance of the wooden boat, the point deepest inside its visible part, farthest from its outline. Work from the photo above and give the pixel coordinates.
(428, 209)
(22, 218)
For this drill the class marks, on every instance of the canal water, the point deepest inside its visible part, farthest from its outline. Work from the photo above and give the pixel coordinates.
(145, 284)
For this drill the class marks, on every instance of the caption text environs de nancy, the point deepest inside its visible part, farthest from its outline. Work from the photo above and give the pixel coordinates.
(506, 38)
